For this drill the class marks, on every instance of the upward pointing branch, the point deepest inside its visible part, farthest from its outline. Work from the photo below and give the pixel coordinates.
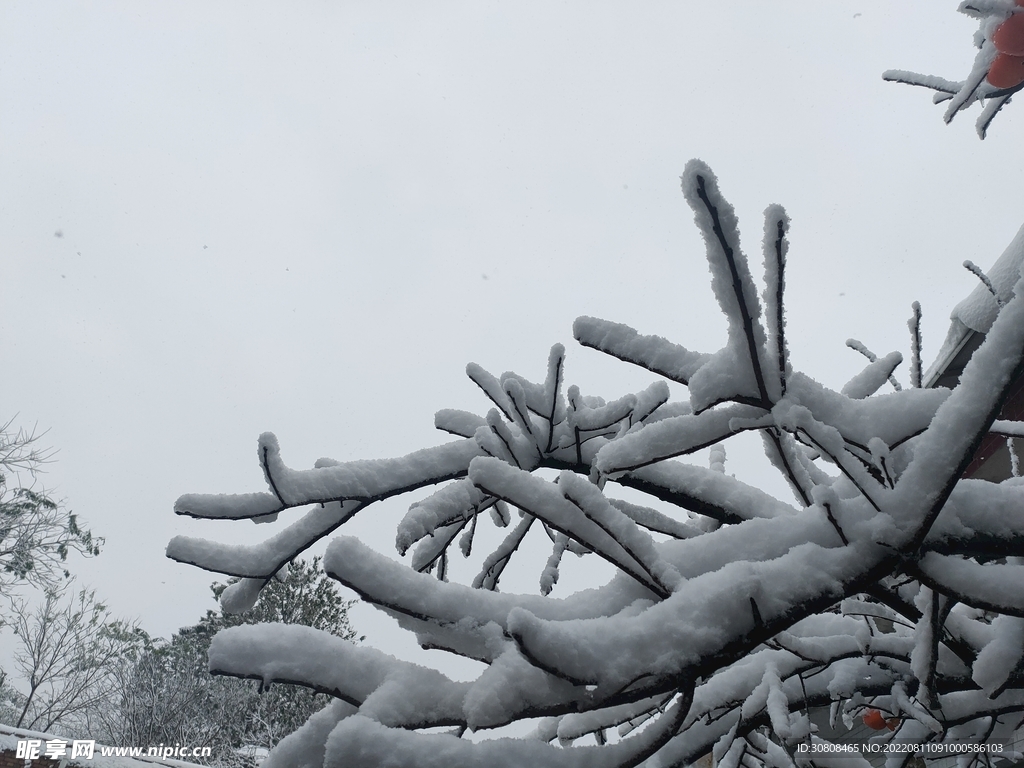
(737, 286)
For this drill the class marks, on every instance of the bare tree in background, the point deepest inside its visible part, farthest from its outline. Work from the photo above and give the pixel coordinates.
(68, 651)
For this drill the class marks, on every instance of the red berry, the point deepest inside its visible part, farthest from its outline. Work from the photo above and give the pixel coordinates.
(873, 719)
(1006, 71)
(894, 722)
(1009, 36)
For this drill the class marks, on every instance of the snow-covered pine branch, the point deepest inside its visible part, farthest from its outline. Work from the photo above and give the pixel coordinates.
(733, 616)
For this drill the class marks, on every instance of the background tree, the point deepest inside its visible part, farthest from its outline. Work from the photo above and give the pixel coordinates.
(69, 649)
(36, 532)
(168, 695)
(879, 586)
(11, 700)
(68, 643)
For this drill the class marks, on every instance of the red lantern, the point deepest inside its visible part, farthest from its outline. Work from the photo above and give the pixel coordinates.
(1006, 71)
(1009, 36)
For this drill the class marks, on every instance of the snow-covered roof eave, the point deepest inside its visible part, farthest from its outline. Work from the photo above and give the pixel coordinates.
(960, 342)
(972, 318)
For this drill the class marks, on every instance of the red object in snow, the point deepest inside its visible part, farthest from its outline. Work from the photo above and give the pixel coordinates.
(1006, 71)
(892, 723)
(1009, 36)
(873, 719)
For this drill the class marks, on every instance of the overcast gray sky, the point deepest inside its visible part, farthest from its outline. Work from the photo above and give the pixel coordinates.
(221, 219)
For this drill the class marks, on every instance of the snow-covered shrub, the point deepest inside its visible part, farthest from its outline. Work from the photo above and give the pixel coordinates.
(886, 584)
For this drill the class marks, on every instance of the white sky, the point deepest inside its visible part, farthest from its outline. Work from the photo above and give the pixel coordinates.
(308, 217)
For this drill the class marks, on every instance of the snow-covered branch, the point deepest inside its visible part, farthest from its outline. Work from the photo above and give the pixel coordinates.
(996, 74)
(732, 616)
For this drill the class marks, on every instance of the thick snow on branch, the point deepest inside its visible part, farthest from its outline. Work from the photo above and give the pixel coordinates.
(331, 481)
(274, 653)
(775, 245)
(265, 559)
(652, 352)
(873, 377)
(582, 514)
(736, 372)
(675, 437)
(886, 590)
(982, 586)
